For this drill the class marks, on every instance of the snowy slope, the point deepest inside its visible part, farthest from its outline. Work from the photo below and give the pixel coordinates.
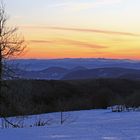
(81, 125)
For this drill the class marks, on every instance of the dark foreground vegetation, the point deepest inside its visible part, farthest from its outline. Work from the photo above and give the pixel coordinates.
(24, 97)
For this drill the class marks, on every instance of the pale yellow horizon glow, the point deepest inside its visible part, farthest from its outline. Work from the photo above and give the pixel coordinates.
(78, 28)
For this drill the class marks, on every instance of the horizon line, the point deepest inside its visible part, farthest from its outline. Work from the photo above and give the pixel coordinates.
(128, 59)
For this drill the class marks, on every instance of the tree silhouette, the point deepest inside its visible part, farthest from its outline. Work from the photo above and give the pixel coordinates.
(11, 44)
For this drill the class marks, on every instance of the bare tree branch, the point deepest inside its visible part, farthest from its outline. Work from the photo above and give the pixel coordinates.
(11, 45)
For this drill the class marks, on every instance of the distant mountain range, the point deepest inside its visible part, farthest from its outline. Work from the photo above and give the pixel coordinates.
(103, 73)
(68, 69)
(49, 73)
(58, 73)
(69, 63)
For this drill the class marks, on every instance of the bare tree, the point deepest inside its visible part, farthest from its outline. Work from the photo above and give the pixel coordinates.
(11, 44)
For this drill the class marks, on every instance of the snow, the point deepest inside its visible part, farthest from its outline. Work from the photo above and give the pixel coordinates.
(80, 125)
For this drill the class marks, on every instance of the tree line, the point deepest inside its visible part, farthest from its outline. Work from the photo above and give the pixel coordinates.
(40, 96)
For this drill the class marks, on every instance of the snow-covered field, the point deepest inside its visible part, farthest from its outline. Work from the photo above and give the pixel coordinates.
(80, 125)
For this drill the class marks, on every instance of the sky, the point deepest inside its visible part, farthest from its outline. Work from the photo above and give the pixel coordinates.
(77, 28)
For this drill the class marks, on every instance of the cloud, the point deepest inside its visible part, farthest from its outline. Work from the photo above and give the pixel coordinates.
(83, 30)
(40, 41)
(74, 5)
(69, 42)
(99, 3)
(94, 31)
(82, 44)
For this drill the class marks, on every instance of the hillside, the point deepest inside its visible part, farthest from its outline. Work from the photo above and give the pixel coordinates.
(70, 63)
(79, 72)
(81, 125)
(41, 96)
(113, 72)
(49, 73)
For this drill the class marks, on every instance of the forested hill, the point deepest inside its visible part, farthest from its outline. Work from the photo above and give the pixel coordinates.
(41, 96)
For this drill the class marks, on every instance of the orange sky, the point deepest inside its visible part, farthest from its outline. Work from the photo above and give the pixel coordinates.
(83, 28)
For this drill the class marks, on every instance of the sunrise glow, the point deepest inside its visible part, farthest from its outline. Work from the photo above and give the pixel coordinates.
(78, 28)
